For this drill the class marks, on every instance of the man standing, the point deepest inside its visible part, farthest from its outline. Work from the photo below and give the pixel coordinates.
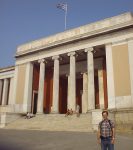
(106, 132)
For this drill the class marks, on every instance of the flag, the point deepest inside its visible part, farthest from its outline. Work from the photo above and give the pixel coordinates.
(62, 6)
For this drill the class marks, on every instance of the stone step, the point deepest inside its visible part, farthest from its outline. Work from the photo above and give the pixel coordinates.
(54, 122)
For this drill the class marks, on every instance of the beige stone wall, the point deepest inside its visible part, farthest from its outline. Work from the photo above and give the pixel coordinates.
(121, 70)
(20, 84)
(123, 119)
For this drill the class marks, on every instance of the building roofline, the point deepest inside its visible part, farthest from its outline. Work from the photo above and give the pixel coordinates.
(5, 69)
(88, 30)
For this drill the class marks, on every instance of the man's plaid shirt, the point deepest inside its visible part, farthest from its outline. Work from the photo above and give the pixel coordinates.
(105, 128)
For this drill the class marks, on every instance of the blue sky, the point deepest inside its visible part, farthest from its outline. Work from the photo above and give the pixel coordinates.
(22, 21)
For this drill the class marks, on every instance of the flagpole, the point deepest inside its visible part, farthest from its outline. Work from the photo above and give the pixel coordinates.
(63, 6)
(65, 16)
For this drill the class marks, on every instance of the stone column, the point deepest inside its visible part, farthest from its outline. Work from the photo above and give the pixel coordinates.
(72, 85)
(68, 93)
(101, 88)
(11, 90)
(130, 54)
(90, 70)
(85, 93)
(1, 91)
(16, 109)
(5, 92)
(110, 76)
(41, 87)
(55, 107)
(28, 88)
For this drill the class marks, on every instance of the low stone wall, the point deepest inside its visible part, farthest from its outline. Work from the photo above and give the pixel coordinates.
(96, 118)
(6, 118)
(7, 108)
(123, 119)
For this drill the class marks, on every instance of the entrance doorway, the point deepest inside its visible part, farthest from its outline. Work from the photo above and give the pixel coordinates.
(34, 102)
(97, 104)
(63, 87)
(100, 81)
(48, 90)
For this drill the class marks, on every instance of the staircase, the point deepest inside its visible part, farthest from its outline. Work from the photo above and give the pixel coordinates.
(53, 122)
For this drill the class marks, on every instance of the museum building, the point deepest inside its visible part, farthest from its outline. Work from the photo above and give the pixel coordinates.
(90, 66)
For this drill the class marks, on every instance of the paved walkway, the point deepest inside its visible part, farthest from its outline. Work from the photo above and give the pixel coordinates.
(44, 140)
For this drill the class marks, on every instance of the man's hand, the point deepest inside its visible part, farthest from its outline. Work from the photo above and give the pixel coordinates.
(112, 141)
(99, 141)
(113, 136)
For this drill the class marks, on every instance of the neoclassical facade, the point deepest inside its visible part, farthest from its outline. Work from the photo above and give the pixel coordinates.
(91, 66)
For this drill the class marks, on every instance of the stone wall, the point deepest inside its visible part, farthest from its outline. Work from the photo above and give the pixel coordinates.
(6, 118)
(123, 119)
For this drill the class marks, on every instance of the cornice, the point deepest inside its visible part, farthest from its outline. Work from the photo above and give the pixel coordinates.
(6, 69)
(83, 32)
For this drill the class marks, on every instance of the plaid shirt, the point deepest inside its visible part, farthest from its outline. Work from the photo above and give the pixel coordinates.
(105, 128)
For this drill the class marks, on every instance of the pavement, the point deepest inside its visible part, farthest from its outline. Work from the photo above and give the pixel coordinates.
(46, 140)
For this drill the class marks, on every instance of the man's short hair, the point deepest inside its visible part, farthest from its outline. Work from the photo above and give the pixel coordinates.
(105, 111)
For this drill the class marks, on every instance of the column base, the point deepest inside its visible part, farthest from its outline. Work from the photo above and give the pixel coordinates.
(39, 113)
(54, 112)
(90, 110)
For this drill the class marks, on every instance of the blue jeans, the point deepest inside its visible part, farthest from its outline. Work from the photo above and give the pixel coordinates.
(106, 144)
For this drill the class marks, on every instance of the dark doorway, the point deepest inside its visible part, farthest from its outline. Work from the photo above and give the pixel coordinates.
(97, 105)
(48, 90)
(35, 99)
(8, 91)
(79, 91)
(105, 84)
(63, 87)
(35, 85)
(97, 86)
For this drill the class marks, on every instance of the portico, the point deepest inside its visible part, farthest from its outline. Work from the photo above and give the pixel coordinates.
(6, 82)
(59, 81)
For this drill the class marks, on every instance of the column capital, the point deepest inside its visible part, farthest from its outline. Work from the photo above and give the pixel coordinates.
(41, 61)
(71, 54)
(55, 57)
(89, 49)
(85, 72)
(6, 79)
(108, 43)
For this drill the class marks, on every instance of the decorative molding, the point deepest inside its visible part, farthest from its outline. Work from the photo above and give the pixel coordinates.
(71, 54)
(89, 49)
(55, 57)
(42, 61)
(119, 42)
(85, 31)
(130, 39)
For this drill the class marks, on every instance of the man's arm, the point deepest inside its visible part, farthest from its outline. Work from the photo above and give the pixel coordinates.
(113, 135)
(113, 132)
